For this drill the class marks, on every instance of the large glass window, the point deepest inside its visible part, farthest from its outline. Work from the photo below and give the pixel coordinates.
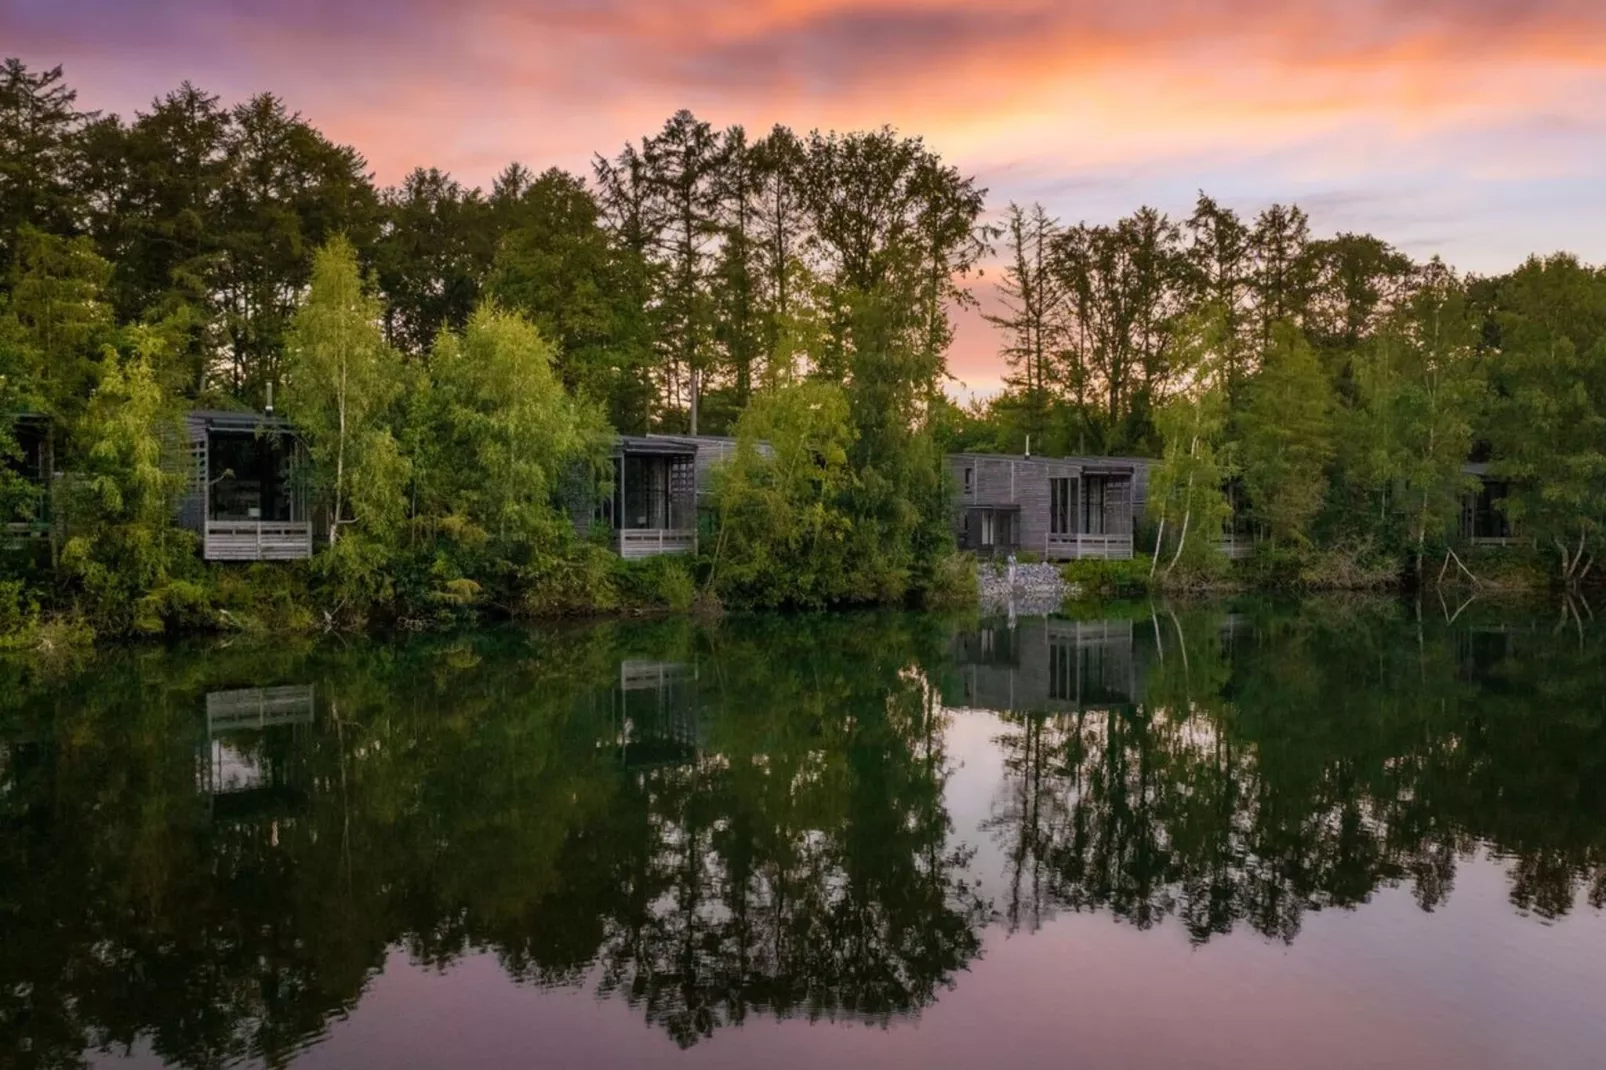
(1059, 506)
(250, 477)
(1093, 494)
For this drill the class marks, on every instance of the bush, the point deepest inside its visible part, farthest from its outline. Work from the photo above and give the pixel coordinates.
(581, 579)
(1356, 566)
(19, 611)
(1108, 579)
(663, 582)
(953, 583)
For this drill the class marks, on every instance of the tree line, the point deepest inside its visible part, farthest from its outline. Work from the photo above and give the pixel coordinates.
(196, 255)
(1306, 390)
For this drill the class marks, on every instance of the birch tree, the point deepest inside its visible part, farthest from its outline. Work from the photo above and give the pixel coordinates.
(340, 381)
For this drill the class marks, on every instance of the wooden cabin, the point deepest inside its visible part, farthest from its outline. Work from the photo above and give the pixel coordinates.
(247, 497)
(30, 431)
(712, 451)
(1483, 518)
(653, 507)
(1064, 508)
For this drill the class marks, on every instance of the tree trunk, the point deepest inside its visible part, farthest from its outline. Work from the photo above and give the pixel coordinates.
(340, 459)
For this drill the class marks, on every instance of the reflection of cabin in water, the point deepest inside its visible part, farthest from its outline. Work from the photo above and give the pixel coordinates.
(247, 499)
(655, 713)
(246, 765)
(1048, 666)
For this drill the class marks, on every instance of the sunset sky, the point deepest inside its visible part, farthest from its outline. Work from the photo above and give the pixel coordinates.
(1475, 129)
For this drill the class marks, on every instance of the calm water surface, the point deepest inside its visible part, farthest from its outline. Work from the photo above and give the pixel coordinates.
(1240, 836)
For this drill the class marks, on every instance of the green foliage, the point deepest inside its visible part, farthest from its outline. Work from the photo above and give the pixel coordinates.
(1350, 567)
(127, 563)
(663, 582)
(1285, 430)
(1185, 488)
(953, 583)
(785, 537)
(1549, 423)
(340, 381)
(490, 430)
(1109, 579)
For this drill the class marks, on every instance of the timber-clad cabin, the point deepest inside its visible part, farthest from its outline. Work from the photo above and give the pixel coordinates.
(246, 499)
(1483, 517)
(29, 430)
(653, 508)
(1065, 508)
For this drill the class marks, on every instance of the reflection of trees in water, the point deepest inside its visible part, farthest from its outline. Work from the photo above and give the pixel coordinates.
(766, 833)
(798, 861)
(1306, 764)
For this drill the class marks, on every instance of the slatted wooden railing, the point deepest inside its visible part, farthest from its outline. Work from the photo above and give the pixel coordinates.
(650, 542)
(257, 540)
(1080, 547)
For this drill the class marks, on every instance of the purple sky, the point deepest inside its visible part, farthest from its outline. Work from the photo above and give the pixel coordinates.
(1475, 129)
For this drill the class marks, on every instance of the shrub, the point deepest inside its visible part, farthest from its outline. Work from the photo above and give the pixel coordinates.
(953, 583)
(1108, 579)
(663, 582)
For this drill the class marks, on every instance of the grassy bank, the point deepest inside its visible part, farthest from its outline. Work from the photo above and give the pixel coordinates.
(1313, 570)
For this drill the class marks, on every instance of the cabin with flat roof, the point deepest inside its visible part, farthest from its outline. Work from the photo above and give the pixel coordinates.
(1047, 665)
(1064, 508)
(1483, 520)
(652, 509)
(30, 517)
(247, 497)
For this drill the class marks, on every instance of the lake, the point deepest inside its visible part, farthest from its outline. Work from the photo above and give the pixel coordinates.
(1328, 834)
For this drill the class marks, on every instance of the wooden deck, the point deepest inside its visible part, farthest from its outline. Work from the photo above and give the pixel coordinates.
(257, 540)
(650, 542)
(1081, 547)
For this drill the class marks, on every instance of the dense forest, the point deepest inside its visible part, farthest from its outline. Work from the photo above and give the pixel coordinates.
(451, 356)
(454, 357)
(1303, 391)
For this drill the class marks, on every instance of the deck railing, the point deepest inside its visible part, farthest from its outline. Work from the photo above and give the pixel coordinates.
(1236, 547)
(257, 540)
(1497, 540)
(1078, 547)
(650, 542)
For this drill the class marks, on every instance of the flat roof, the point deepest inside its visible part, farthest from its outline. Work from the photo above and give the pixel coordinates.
(1083, 460)
(652, 444)
(237, 420)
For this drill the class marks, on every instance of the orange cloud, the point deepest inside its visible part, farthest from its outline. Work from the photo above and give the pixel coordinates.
(1479, 118)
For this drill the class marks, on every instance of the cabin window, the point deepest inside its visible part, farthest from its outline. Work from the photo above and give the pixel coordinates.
(646, 493)
(1059, 506)
(1093, 494)
(987, 531)
(970, 480)
(250, 477)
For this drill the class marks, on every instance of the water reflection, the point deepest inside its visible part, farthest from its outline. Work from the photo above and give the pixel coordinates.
(212, 851)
